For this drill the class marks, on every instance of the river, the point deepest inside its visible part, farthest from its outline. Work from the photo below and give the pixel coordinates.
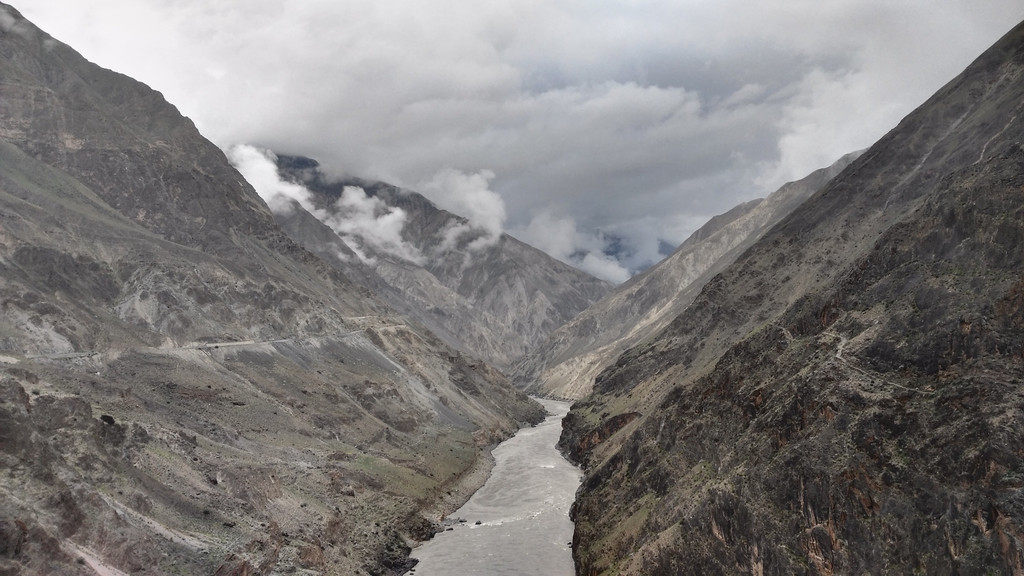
(518, 522)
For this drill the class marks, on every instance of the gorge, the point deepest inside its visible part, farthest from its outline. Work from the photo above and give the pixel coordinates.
(197, 377)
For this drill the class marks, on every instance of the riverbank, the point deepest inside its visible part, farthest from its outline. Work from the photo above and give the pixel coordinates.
(517, 522)
(463, 488)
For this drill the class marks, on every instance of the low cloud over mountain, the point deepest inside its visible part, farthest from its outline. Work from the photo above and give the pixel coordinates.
(631, 120)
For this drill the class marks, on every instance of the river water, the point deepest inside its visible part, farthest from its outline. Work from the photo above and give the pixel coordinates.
(518, 522)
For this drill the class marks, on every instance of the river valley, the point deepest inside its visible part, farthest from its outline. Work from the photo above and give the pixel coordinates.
(518, 522)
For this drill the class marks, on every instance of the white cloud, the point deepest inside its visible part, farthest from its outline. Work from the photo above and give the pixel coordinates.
(372, 224)
(559, 237)
(470, 196)
(657, 111)
(361, 221)
(603, 266)
(10, 24)
(259, 169)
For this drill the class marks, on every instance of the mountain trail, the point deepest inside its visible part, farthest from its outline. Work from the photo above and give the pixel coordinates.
(871, 376)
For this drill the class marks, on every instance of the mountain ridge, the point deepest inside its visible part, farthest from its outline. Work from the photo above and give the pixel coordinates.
(184, 389)
(494, 301)
(844, 397)
(567, 363)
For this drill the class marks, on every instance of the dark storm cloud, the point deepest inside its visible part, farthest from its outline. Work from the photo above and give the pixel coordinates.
(597, 131)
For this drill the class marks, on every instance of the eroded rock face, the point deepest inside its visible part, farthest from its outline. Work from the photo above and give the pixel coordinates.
(848, 397)
(184, 389)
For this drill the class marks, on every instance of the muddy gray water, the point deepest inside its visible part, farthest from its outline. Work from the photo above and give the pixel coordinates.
(518, 522)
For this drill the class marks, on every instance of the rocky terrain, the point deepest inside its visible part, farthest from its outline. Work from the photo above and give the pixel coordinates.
(183, 388)
(566, 364)
(847, 396)
(495, 299)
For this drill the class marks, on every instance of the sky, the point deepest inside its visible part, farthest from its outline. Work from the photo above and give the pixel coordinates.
(602, 132)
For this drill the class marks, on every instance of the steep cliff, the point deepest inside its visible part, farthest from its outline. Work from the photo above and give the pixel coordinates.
(566, 364)
(847, 396)
(183, 389)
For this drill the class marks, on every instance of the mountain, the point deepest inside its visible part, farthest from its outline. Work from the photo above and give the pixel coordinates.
(847, 396)
(492, 297)
(566, 364)
(183, 388)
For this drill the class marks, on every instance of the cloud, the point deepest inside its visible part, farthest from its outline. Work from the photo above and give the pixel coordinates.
(259, 169)
(633, 119)
(603, 267)
(559, 237)
(371, 224)
(613, 254)
(469, 196)
(642, 242)
(12, 25)
(366, 224)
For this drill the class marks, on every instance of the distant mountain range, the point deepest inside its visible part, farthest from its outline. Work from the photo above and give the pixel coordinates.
(496, 301)
(847, 396)
(566, 364)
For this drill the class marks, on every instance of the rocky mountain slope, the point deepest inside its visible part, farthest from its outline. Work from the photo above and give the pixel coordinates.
(494, 299)
(566, 364)
(848, 396)
(184, 389)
